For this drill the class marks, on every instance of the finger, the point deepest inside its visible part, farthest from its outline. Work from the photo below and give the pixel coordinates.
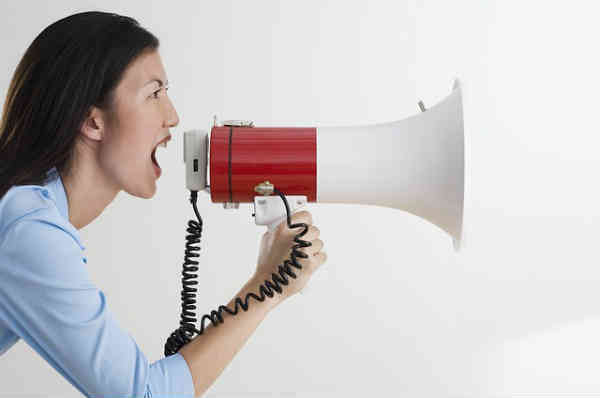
(321, 257)
(302, 216)
(316, 247)
(312, 233)
(312, 260)
(297, 218)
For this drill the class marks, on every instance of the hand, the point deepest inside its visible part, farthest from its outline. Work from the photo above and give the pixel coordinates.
(276, 247)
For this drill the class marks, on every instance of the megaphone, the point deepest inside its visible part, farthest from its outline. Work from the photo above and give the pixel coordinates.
(415, 165)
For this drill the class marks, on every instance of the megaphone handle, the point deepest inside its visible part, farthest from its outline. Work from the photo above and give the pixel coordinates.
(267, 207)
(270, 210)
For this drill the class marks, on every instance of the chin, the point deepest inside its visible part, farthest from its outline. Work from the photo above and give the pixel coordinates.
(143, 192)
(141, 184)
(149, 195)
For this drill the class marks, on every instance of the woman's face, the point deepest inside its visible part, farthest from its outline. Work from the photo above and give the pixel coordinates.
(139, 120)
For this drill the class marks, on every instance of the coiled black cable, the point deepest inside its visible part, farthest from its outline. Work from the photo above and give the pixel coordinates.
(187, 328)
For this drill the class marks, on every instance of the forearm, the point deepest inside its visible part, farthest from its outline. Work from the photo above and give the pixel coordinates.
(207, 355)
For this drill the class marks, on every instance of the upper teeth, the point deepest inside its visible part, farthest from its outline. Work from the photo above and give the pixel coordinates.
(163, 144)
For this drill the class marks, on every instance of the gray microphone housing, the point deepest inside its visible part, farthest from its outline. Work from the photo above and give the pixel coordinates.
(195, 157)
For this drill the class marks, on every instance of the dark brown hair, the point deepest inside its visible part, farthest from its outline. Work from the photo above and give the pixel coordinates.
(71, 65)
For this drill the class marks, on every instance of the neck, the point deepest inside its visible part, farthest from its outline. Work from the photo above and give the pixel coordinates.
(88, 189)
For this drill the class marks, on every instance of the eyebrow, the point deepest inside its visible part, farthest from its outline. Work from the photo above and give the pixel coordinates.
(160, 82)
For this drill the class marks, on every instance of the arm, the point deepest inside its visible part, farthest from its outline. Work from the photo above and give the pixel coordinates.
(48, 299)
(207, 355)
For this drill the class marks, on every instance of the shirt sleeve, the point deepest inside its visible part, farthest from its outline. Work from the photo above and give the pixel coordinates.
(47, 297)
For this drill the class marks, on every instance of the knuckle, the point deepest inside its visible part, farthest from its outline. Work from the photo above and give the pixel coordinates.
(316, 230)
(302, 213)
(306, 214)
(305, 262)
(306, 249)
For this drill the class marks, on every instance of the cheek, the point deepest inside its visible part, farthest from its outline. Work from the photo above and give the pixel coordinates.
(128, 148)
(135, 133)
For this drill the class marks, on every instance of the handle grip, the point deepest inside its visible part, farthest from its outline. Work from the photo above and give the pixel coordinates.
(270, 211)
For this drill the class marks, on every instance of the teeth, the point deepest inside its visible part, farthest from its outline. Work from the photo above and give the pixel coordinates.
(164, 144)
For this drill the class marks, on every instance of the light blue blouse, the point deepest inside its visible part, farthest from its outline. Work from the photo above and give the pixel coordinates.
(48, 299)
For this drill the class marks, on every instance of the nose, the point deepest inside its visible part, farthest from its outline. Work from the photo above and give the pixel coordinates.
(171, 119)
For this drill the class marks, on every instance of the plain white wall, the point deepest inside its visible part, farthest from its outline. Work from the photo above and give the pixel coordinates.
(399, 314)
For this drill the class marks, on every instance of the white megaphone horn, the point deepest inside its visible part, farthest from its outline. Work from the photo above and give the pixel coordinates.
(415, 164)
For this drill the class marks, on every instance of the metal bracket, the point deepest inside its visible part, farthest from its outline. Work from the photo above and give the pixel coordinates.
(264, 188)
(238, 123)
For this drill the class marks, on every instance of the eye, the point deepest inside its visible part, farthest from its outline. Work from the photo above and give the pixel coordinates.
(155, 93)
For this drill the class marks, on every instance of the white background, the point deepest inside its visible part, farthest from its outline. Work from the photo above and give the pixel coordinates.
(395, 311)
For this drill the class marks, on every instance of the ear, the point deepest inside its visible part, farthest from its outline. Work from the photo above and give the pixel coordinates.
(93, 125)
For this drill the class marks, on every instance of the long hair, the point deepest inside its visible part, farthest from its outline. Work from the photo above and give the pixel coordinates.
(73, 64)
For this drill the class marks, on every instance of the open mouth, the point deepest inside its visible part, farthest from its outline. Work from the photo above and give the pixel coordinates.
(155, 165)
(153, 157)
(163, 143)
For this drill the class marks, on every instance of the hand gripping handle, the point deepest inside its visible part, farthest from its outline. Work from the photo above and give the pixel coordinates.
(270, 211)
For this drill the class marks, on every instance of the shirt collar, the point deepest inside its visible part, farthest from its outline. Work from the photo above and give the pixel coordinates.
(55, 185)
(57, 192)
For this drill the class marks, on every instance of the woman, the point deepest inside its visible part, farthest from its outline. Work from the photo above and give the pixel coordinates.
(85, 109)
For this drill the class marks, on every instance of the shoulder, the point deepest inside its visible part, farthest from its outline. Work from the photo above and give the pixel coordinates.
(20, 201)
(36, 241)
(31, 206)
